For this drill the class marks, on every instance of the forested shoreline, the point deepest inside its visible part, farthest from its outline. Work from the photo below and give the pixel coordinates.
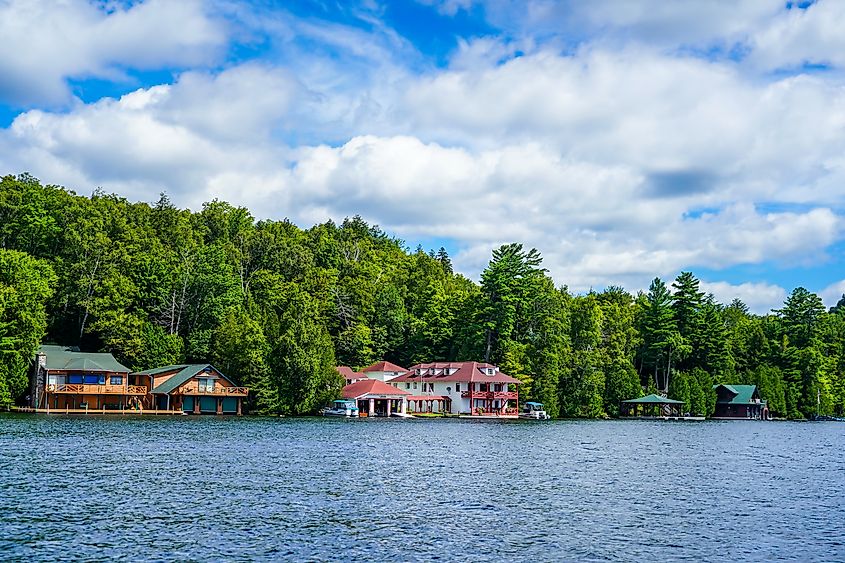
(277, 307)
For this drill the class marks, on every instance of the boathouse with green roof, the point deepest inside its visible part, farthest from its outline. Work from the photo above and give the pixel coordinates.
(193, 389)
(65, 379)
(739, 402)
(652, 406)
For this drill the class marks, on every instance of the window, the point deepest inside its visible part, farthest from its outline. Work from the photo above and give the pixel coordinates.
(457, 387)
(497, 387)
(415, 384)
(407, 385)
(484, 387)
(74, 378)
(116, 380)
(205, 385)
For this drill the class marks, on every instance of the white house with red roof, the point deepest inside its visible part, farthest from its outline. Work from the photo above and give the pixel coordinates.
(377, 398)
(473, 388)
(383, 371)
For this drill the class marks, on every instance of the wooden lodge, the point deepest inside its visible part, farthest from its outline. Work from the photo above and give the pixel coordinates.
(741, 402)
(65, 379)
(194, 389)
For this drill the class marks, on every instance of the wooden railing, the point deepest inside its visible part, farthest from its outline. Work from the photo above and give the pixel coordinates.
(94, 389)
(504, 395)
(479, 411)
(216, 391)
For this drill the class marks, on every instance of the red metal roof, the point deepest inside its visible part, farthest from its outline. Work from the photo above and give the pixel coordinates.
(371, 387)
(384, 366)
(346, 372)
(466, 372)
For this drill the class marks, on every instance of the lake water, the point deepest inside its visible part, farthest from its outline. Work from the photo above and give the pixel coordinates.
(211, 489)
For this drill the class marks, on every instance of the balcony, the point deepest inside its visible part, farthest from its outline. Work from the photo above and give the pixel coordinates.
(93, 389)
(503, 395)
(215, 392)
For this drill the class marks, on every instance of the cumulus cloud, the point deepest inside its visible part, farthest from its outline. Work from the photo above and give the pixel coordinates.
(760, 297)
(617, 163)
(833, 293)
(43, 43)
(802, 36)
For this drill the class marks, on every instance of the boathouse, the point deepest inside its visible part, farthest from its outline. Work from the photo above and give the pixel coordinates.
(652, 406)
(383, 371)
(376, 398)
(739, 402)
(195, 389)
(66, 379)
(472, 388)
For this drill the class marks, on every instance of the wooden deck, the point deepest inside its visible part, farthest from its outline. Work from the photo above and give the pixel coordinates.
(131, 412)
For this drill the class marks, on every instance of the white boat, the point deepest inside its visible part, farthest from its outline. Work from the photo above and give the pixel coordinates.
(534, 411)
(341, 407)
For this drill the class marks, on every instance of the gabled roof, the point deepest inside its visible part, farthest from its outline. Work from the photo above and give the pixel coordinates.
(348, 373)
(470, 372)
(384, 366)
(654, 400)
(371, 387)
(68, 358)
(183, 374)
(740, 394)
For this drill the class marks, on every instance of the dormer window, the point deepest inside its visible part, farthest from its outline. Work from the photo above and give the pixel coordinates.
(490, 371)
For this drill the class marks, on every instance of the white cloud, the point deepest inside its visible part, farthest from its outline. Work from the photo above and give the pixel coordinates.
(813, 35)
(760, 297)
(617, 164)
(833, 293)
(44, 43)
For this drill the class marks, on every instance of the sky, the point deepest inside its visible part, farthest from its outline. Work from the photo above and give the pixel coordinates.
(624, 139)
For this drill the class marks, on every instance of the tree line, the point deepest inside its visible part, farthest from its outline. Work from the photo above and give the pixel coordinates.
(277, 307)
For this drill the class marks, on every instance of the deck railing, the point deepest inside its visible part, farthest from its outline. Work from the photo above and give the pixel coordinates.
(216, 391)
(93, 389)
(495, 412)
(505, 395)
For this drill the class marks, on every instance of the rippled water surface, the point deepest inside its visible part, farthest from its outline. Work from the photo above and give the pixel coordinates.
(211, 489)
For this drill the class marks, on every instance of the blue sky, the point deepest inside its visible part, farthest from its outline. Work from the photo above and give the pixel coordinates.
(624, 140)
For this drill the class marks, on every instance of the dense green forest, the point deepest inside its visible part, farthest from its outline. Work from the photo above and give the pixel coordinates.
(277, 307)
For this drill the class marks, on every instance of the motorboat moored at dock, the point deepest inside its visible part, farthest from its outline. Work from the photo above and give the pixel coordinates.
(341, 407)
(534, 411)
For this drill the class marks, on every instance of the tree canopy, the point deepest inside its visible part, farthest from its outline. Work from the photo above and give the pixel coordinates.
(276, 307)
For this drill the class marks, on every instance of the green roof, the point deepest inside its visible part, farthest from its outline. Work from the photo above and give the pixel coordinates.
(184, 373)
(68, 358)
(654, 400)
(742, 394)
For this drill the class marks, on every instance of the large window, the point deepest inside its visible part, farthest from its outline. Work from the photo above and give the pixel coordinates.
(74, 378)
(116, 380)
(205, 385)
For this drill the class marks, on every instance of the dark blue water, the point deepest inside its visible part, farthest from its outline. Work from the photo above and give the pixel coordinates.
(211, 489)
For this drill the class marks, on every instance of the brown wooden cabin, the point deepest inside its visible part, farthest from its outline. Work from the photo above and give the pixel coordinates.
(194, 389)
(66, 379)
